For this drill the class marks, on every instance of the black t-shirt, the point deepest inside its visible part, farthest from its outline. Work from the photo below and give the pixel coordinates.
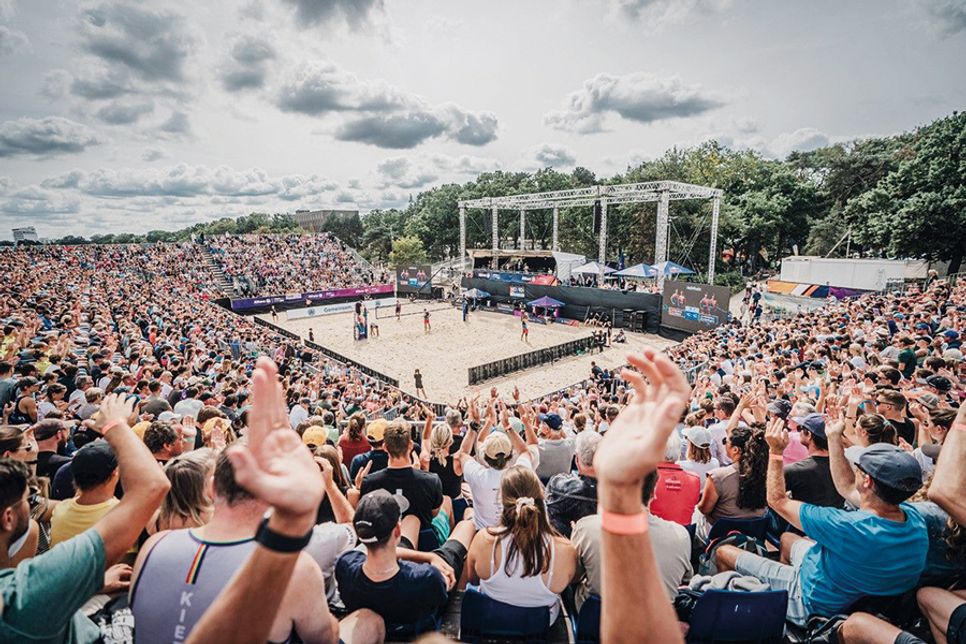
(452, 484)
(417, 591)
(418, 378)
(48, 463)
(905, 430)
(810, 481)
(423, 490)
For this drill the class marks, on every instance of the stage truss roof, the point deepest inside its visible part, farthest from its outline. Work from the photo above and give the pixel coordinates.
(613, 194)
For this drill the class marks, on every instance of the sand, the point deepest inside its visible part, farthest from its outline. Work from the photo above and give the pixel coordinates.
(444, 355)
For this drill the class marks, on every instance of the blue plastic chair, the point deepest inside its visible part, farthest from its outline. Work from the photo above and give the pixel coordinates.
(427, 540)
(482, 618)
(587, 624)
(756, 528)
(735, 616)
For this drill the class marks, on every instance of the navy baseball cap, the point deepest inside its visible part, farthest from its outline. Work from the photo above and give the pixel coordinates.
(553, 420)
(887, 464)
(812, 423)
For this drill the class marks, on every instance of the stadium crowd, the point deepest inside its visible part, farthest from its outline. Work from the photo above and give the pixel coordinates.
(272, 264)
(148, 433)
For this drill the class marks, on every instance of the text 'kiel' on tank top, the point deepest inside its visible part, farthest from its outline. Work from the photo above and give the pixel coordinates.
(180, 578)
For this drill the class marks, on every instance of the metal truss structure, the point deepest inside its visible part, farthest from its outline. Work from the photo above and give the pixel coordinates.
(663, 192)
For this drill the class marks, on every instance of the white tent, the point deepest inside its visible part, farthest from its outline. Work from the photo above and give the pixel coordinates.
(592, 268)
(566, 263)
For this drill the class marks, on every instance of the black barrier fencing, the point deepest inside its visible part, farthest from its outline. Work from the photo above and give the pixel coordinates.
(497, 368)
(372, 373)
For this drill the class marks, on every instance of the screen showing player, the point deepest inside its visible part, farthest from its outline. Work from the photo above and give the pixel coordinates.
(689, 306)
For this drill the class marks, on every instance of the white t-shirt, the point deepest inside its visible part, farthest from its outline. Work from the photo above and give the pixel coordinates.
(297, 415)
(701, 469)
(484, 485)
(328, 542)
(189, 407)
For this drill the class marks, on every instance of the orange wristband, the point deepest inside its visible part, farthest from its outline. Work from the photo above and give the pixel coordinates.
(109, 426)
(623, 524)
(776, 457)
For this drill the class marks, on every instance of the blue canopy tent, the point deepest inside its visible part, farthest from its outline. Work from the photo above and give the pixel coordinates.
(669, 269)
(546, 302)
(638, 271)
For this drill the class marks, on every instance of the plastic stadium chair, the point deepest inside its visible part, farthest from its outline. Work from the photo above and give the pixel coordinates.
(427, 540)
(735, 616)
(587, 627)
(752, 527)
(484, 618)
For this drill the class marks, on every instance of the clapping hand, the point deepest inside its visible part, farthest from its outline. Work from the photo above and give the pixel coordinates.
(275, 466)
(636, 440)
(776, 435)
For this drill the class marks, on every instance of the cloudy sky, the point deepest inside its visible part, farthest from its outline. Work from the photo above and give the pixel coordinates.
(130, 116)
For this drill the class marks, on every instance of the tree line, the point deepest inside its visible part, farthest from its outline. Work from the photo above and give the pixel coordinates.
(897, 196)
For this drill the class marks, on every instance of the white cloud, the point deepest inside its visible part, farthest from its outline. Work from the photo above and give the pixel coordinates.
(803, 139)
(421, 170)
(546, 155)
(47, 136)
(377, 113)
(12, 41)
(657, 14)
(638, 96)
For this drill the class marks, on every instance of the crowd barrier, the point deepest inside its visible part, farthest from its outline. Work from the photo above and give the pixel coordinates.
(535, 358)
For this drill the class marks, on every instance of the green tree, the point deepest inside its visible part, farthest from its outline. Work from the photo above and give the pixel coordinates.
(407, 250)
(919, 209)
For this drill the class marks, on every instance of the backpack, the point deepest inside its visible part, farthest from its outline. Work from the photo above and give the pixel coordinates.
(706, 562)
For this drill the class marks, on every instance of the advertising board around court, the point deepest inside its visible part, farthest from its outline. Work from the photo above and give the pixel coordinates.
(410, 279)
(341, 307)
(689, 306)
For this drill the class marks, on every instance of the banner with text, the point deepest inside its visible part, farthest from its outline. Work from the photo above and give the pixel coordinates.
(309, 298)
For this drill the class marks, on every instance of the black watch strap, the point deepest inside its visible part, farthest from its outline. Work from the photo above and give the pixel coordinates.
(280, 542)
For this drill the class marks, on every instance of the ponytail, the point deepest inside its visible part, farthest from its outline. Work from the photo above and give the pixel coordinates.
(524, 520)
(440, 441)
(878, 429)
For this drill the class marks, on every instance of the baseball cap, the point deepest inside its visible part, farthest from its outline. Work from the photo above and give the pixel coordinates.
(376, 430)
(698, 436)
(780, 408)
(554, 421)
(315, 435)
(377, 515)
(887, 464)
(951, 334)
(954, 355)
(812, 423)
(93, 463)
(47, 428)
(169, 416)
(496, 445)
(929, 400)
(939, 382)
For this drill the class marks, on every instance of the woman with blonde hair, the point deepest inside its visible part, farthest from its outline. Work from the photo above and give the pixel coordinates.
(187, 504)
(522, 561)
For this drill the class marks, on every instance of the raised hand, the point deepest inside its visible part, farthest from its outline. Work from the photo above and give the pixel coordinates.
(776, 435)
(114, 408)
(275, 466)
(636, 440)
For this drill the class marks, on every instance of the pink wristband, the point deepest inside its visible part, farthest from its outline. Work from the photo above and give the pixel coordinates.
(109, 426)
(623, 524)
(959, 426)
(776, 457)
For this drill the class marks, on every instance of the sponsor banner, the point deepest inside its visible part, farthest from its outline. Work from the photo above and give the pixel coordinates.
(341, 307)
(518, 291)
(309, 298)
(505, 308)
(546, 280)
(505, 276)
(690, 306)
